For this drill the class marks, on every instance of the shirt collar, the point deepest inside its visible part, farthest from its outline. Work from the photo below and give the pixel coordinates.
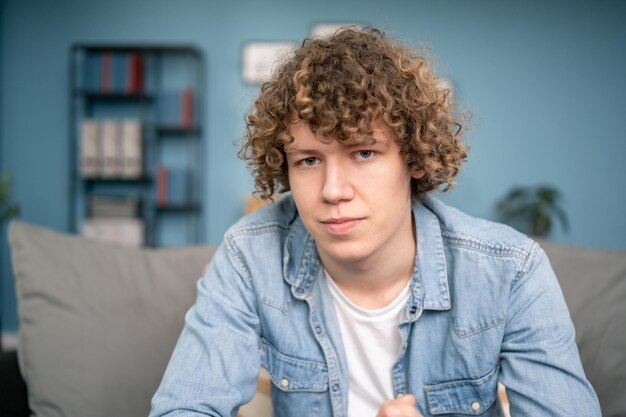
(430, 272)
(301, 262)
(430, 291)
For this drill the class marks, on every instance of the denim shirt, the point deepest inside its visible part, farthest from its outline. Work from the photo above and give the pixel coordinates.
(484, 306)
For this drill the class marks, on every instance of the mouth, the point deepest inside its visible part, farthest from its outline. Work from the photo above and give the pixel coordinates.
(341, 225)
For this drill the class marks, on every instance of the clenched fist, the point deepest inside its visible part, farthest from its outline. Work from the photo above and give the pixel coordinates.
(403, 406)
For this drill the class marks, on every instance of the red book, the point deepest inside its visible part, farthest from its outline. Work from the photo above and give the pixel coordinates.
(107, 58)
(135, 73)
(139, 73)
(162, 187)
(186, 108)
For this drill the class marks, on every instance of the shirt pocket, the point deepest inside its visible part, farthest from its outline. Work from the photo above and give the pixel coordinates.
(463, 397)
(292, 374)
(300, 387)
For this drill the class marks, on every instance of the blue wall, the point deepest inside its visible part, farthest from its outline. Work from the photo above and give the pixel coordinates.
(545, 81)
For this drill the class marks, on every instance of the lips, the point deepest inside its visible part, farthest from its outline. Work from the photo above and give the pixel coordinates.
(341, 225)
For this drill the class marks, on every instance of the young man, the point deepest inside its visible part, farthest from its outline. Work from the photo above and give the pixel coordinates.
(361, 294)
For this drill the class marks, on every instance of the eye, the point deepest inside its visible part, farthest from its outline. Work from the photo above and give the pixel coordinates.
(364, 154)
(308, 162)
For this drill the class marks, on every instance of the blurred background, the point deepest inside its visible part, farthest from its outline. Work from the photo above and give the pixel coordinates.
(544, 80)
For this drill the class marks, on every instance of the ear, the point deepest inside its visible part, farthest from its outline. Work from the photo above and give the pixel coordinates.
(418, 174)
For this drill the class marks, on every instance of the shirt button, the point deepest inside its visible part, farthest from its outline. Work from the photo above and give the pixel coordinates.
(336, 387)
(284, 383)
(318, 330)
(300, 290)
(475, 406)
(413, 310)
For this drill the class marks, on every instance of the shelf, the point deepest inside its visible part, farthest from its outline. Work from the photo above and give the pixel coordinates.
(178, 130)
(112, 180)
(143, 48)
(157, 125)
(175, 208)
(113, 96)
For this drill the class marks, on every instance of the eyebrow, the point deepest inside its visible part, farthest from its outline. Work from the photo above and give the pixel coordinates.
(300, 151)
(371, 141)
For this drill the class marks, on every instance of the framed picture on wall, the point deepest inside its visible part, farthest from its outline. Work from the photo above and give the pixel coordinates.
(322, 30)
(259, 59)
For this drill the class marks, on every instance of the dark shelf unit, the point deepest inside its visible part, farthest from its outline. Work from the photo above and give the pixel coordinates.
(92, 95)
(114, 180)
(177, 130)
(165, 69)
(179, 207)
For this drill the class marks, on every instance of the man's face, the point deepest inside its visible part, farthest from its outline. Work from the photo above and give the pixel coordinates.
(354, 198)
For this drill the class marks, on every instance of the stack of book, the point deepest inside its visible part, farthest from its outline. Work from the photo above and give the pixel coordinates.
(113, 206)
(115, 219)
(173, 187)
(176, 109)
(113, 72)
(110, 149)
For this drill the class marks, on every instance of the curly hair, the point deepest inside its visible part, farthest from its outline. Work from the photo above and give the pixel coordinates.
(340, 86)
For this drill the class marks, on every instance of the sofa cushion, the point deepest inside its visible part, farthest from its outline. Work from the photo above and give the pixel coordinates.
(98, 322)
(594, 286)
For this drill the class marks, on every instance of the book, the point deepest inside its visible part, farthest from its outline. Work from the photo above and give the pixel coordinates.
(122, 231)
(179, 186)
(111, 155)
(92, 74)
(135, 73)
(113, 72)
(105, 82)
(162, 192)
(111, 149)
(114, 206)
(167, 109)
(131, 148)
(89, 150)
(119, 72)
(186, 116)
(176, 108)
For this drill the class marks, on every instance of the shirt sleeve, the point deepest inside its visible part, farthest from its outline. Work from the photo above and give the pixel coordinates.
(540, 365)
(216, 361)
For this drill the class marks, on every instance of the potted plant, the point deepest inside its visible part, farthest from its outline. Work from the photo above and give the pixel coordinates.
(7, 209)
(532, 209)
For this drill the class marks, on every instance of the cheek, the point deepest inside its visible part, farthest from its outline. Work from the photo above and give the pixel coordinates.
(303, 195)
(395, 183)
(405, 189)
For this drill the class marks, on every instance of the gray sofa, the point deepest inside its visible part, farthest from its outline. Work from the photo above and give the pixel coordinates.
(99, 321)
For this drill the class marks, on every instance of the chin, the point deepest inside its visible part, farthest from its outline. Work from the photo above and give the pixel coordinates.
(349, 252)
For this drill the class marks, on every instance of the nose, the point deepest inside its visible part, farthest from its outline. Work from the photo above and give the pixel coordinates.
(337, 183)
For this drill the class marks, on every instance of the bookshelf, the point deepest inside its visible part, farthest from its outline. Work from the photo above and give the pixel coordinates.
(136, 143)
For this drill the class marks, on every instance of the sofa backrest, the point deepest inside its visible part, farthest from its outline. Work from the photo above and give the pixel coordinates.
(98, 322)
(594, 285)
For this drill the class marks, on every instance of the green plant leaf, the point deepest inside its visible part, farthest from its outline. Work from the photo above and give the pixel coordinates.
(533, 207)
(7, 209)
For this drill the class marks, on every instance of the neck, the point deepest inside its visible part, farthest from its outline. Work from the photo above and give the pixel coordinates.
(376, 281)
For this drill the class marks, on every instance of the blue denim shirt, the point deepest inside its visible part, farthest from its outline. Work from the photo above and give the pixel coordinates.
(484, 306)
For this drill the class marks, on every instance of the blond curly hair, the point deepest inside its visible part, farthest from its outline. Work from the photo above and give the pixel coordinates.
(340, 86)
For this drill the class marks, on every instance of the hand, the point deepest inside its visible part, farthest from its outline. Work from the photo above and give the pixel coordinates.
(403, 406)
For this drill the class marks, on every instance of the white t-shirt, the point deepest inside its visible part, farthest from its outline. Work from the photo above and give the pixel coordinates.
(372, 343)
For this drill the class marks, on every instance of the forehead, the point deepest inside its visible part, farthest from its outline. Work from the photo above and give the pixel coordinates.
(302, 134)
